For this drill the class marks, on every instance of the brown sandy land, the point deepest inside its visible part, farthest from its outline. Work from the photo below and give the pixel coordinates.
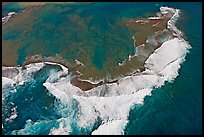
(145, 28)
(9, 57)
(24, 18)
(84, 85)
(88, 69)
(136, 62)
(79, 22)
(129, 66)
(54, 59)
(108, 66)
(27, 4)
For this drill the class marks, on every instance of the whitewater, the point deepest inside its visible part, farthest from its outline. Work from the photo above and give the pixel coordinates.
(105, 109)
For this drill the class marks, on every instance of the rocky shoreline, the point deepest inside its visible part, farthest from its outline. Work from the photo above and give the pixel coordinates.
(151, 42)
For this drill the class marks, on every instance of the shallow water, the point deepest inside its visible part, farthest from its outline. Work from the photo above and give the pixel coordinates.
(92, 33)
(173, 109)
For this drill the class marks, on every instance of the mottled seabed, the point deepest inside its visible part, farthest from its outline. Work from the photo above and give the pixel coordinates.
(132, 48)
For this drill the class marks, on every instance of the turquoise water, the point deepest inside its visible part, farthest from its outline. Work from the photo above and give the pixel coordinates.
(32, 101)
(12, 7)
(39, 111)
(91, 33)
(176, 108)
(67, 31)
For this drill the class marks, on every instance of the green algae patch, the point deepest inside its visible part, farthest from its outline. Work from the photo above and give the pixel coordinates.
(99, 36)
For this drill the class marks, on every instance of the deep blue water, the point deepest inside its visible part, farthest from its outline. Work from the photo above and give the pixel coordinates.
(176, 108)
(33, 102)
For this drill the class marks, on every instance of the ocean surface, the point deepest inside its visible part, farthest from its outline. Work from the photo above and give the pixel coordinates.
(175, 108)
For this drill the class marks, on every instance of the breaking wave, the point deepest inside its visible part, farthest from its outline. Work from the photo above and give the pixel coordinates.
(96, 110)
(6, 18)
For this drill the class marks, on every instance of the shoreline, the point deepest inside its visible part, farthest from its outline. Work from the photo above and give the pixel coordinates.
(85, 84)
(107, 106)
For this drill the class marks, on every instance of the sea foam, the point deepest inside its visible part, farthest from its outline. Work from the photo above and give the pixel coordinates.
(61, 130)
(6, 18)
(111, 103)
(107, 128)
(114, 106)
